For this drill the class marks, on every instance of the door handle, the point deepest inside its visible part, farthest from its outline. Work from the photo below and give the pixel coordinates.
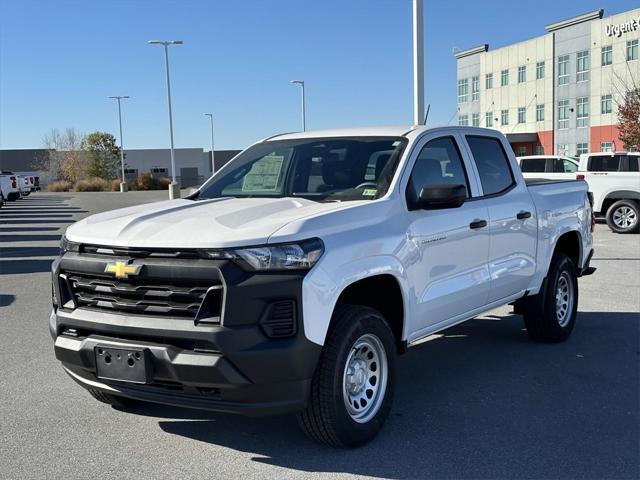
(522, 215)
(478, 224)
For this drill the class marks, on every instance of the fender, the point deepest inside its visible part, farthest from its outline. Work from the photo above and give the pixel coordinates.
(321, 290)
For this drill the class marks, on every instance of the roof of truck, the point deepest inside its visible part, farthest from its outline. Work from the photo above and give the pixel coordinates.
(373, 131)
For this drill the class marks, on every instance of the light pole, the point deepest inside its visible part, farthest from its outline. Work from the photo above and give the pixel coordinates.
(213, 157)
(174, 189)
(418, 63)
(301, 83)
(123, 183)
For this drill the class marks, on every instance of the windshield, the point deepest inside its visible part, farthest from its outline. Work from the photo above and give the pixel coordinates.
(329, 169)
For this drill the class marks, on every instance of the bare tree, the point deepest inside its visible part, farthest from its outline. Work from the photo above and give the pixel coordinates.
(65, 160)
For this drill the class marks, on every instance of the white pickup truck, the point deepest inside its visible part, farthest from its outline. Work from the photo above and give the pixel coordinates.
(293, 277)
(614, 182)
(9, 187)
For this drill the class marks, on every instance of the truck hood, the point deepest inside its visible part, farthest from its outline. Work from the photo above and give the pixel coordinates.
(217, 223)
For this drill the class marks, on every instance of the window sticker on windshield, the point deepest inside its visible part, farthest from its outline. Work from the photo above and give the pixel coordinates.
(264, 174)
(396, 143)
(369, 192)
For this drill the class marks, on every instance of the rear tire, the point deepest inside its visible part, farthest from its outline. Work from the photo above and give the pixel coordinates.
(551, 314)
(121, 403)
(624, 217)
(352, 388)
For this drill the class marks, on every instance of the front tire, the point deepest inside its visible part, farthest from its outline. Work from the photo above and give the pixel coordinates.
(551, 315)
(352, 388)
(624, 217)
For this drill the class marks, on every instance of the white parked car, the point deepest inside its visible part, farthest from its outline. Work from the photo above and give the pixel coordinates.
(614, 182)
(548, 166)
(25, 185)
(293, 277)
(9, 185)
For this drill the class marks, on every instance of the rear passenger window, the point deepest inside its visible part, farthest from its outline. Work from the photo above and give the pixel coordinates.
(604, 164)
(492, 164)
(532, 165)
(633, 163)
(439, 162)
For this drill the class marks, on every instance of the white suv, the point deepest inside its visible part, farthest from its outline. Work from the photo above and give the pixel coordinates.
(614, 182)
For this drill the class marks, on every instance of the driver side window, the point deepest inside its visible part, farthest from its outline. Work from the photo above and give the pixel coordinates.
(439, 163)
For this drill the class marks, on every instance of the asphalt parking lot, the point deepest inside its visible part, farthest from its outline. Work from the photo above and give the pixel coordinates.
(480, 401)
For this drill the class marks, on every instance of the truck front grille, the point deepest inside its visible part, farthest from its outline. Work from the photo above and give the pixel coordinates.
(146, 296)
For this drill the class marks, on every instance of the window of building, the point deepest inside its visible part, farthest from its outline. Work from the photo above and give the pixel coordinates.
(475, 119)
(582, 117)
(539, 70)
(522, 150)
(439, 162)
(539, 113)
(606, 146)
(463, 90)
(159, 170)
(463, 120)
(606, 104)
(607, 55)
(522, 73)
(475, 88)
(131, 171)
(582, 69)
(492, 163)
(522, 114)
(504, 77)
(632, 50)
(488, 81)
(563, 114)
(488, 119)
(504, 117)
(538, 150)
(562, 149)
(563, 69)
(582, 148)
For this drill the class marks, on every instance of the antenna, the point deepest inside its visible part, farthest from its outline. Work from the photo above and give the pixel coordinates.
(427, 114)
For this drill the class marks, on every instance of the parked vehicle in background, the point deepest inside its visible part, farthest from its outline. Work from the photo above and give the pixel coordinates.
(614, 182)
(9, 185)
(548, 166)
(292, 278)
(25, 186)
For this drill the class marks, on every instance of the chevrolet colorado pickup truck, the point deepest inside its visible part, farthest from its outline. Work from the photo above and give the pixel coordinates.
(291, 279)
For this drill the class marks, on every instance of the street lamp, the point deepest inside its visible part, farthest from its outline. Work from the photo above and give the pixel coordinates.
(301, 83)
(213, 158)
(123, 184)
(174, 189)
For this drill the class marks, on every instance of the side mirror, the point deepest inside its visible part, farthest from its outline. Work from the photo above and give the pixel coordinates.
(434, 197)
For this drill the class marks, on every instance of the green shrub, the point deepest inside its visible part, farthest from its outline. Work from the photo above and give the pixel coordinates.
(61, 186)
(92, 185)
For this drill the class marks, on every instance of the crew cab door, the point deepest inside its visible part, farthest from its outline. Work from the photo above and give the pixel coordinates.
(512, 217)
(448, 267)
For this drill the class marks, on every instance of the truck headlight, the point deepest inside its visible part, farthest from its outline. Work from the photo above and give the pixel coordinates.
(67, 246)
(289, 256)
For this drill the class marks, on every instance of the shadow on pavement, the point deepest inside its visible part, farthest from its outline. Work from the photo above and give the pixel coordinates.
(28, 229)
(22, 214)
(482, 401)
(11, 267)
(7, 252)
(6, 300)
(29, 222)
(29, 238)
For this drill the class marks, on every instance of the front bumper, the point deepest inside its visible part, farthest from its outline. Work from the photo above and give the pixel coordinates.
(231, 366)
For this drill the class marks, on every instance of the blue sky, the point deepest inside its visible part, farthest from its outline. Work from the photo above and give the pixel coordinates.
(59, 61)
